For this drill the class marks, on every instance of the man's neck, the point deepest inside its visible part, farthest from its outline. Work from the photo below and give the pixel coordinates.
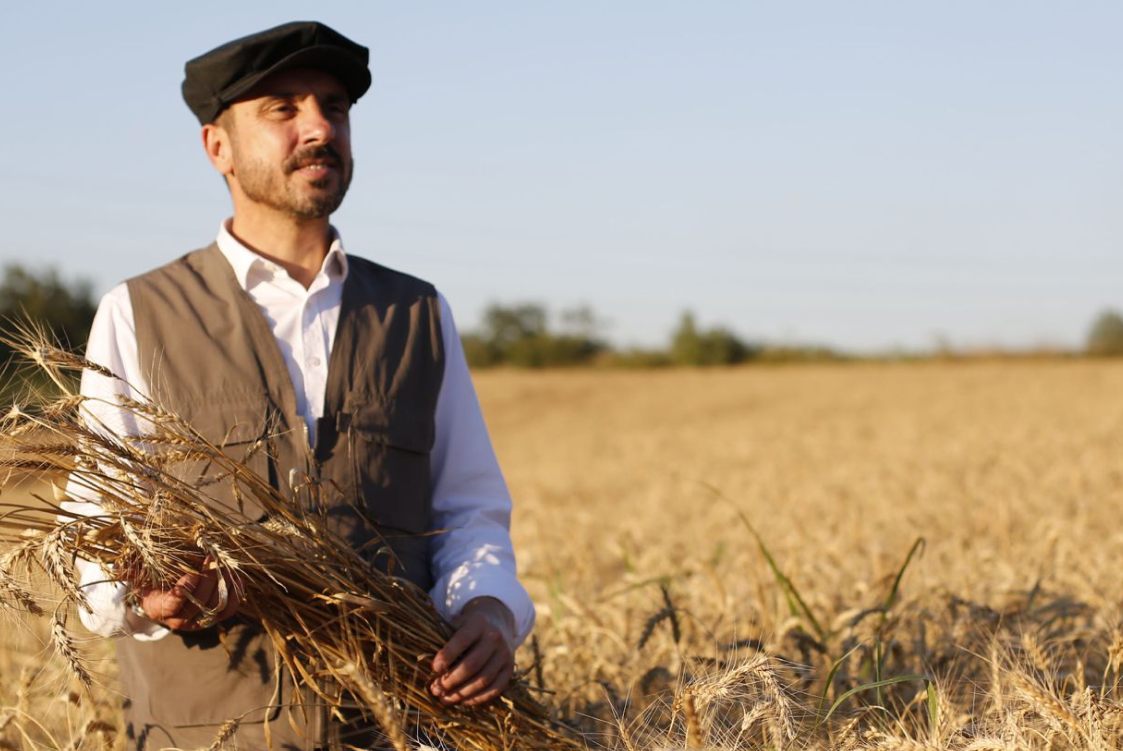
(297, 245)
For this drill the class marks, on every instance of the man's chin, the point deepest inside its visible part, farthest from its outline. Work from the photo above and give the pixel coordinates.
(319, 207)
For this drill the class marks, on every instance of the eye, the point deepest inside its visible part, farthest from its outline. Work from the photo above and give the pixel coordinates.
(279, 108)
(336, 106)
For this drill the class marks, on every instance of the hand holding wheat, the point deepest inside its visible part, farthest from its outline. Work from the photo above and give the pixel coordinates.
(478, 661)
(192, 602)
(340, 628)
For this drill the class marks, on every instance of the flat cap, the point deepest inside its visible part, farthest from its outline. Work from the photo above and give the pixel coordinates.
(215, 79)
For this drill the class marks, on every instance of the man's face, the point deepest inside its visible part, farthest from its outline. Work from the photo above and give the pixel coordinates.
(290, 142)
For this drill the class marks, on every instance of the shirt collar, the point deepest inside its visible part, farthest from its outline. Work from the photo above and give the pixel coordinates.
(243, 260)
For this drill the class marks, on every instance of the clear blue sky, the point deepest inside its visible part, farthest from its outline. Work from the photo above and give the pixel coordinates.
(865, 174)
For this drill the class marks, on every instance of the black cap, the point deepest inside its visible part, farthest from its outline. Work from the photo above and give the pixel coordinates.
(215, 79)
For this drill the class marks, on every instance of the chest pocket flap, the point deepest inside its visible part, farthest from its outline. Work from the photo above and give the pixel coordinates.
(390, 425)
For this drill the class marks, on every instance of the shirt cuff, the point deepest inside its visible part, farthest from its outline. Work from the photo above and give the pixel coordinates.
(109, 614)
(455, 590)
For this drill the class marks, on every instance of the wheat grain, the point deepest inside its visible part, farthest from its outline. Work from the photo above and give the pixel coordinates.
(695, 734)
(65, 647)
(225, 735)
(11, 589)
(379, 704)
(1046, 704)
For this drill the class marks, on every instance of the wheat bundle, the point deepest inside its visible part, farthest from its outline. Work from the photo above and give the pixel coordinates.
(341, 628)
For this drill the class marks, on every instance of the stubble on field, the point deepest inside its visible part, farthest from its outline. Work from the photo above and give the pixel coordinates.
(626, 483)
(629, 489)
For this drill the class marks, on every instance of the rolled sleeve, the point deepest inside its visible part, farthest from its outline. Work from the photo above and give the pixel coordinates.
(112, 344)
(472, 556)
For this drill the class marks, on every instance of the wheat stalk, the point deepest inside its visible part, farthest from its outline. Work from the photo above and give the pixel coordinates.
(68, 650)
(342, 629)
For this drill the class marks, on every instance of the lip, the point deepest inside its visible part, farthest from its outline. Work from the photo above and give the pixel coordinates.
(317, 169)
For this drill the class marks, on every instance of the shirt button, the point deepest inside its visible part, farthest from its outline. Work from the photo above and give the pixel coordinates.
(314, 362)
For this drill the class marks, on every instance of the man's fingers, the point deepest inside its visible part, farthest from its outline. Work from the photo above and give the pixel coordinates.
(168, 607)
(459, 643)
(494, 689)
(162, 604)
(477, 663)
(158, 604)
(186, 605)
(178, 607)
(480, 681)
(205, 591)
(186, 584)
(469, 666)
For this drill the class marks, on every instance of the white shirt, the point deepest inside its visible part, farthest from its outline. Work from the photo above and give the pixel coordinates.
(474, 558)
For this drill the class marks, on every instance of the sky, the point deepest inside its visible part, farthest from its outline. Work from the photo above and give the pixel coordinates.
(868, 175)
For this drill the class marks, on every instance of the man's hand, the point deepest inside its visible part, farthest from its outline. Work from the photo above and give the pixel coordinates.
(477, 663)
(185, 605)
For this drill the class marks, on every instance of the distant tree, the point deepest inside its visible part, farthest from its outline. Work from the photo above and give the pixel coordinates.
(519, 335)
(686, 342)
(582, 321)
(478, 351)
(716, 346)
(66, 310)
(1106, 335)
(723, 347)
(504, 325)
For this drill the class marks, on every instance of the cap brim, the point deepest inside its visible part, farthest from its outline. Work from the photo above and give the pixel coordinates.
(352, 72)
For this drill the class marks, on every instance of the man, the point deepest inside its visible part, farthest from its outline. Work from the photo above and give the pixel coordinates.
(355, 372)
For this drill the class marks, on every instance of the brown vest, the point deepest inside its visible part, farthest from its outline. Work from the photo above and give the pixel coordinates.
(209, 355)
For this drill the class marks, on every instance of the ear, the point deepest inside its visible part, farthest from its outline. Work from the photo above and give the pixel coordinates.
(217, 144)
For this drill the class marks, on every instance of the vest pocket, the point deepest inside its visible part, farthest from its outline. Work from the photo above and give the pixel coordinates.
(389, 448)
(397, 427)
(391, 457)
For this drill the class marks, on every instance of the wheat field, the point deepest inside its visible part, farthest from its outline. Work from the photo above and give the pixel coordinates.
(719, 559)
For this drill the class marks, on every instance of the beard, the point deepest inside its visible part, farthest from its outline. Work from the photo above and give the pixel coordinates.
(316, 199)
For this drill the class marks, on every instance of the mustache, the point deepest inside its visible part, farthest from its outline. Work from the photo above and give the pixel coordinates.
(322, 153)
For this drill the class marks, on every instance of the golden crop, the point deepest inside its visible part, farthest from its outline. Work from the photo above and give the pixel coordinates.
(639, 496)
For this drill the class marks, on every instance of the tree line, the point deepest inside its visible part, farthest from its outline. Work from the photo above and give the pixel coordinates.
(521, 335)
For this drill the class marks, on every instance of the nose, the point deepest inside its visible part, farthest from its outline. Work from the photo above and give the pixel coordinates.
(315, 125)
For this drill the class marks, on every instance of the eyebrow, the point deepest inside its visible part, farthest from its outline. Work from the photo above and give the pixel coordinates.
(294, 93)
(332, 98)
